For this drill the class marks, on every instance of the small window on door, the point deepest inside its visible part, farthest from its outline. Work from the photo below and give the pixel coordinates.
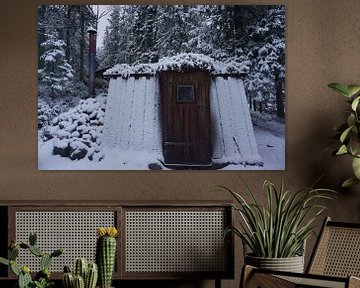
(185, 93)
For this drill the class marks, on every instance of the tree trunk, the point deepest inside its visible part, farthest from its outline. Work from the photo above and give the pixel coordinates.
(68, 27)
(82, 44)
(260, 107)
(250, 103)
(279, 96)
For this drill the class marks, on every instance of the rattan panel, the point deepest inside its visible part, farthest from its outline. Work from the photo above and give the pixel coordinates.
(338, 253)
(75, 231)
(175, 241)
(312, 282)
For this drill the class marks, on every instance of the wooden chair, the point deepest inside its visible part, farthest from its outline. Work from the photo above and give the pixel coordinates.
(334, 263)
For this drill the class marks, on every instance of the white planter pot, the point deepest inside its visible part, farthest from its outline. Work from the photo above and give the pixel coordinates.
(291, 264)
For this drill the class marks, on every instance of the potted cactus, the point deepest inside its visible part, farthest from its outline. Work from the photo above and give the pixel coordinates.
(42, 278)
(84, 275)
(106, 254)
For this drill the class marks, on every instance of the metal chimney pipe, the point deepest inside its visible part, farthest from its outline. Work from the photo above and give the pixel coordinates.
(92, 60)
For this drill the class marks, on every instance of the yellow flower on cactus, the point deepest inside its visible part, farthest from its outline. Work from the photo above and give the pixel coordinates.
(112, 231)
(25, 269)
(101, 231)
(107, 231)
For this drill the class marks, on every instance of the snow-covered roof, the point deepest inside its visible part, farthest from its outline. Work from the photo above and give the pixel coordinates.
(181, 62)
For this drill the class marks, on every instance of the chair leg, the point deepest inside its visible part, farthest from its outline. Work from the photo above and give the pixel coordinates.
(246, 273)
(354, 282)
(217, 282)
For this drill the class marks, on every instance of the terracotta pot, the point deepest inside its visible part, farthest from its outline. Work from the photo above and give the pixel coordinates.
(291, 264)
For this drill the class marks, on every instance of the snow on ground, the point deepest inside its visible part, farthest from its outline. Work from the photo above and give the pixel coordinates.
(271, 148)
(131, 160)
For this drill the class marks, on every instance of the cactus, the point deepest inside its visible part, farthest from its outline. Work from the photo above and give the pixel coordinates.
(79, 282)
(13, 253)
(25, 269)
(87, 272)
(14, 268)
(105, 254)
(36, 251)
(32, 238)
(80, 268)
(24, 246)
(45, 261)
(67, 269)
(68, 280)
(24, 278)
(57, 252)
(91, 276)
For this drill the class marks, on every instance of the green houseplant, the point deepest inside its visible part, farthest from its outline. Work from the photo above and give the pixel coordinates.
(42, 278)
(275, 233)
(106, 254)
(84, 274)
(348, 132)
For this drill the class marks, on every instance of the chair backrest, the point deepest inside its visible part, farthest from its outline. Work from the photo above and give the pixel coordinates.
(337, 251)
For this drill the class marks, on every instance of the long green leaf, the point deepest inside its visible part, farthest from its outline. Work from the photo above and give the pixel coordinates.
(345, 134)
(342, 150)
(356, 167)
(340, 88)
(351, 120)
(355, 103)
(349, 182)
(353, 90)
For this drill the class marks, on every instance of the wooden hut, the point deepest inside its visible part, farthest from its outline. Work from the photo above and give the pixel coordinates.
(186, 110)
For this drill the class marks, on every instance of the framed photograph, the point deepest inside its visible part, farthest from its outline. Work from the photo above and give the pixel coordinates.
(161, 87)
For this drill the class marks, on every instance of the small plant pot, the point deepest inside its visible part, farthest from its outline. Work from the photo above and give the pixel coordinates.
(291, 264)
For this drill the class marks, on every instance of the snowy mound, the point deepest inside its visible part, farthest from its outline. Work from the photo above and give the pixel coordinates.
(77, 132)
(181, 62)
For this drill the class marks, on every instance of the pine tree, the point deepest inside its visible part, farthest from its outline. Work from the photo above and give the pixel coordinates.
(144, 34)
(200, 37)
(172, 30)
(265, 84)
(69, 24)
(112, 38)
(57, 73)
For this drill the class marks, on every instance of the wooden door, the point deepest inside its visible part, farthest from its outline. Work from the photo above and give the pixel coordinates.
(186, 118)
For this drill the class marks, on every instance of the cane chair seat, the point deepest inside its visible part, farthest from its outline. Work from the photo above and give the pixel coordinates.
(338, 253)
(314, 282)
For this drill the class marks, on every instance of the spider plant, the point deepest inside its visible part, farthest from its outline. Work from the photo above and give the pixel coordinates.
(279, 229)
